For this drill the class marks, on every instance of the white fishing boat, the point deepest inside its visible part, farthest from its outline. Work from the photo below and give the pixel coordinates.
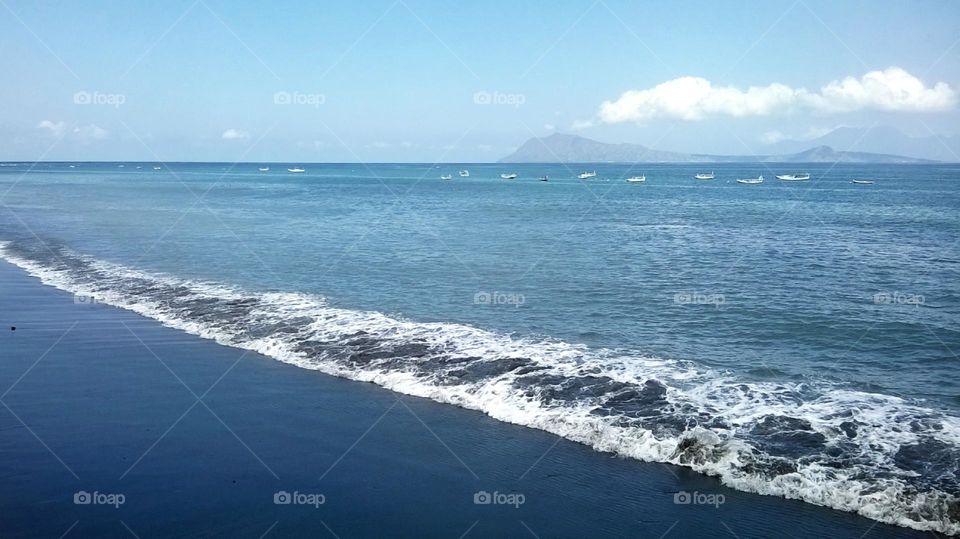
(702, 176)
(751, 181)
(264, 169)
(157, 168)
(446, 177)
(464, 173)
(73, 166)
(862, 182)
(544, 178)
(585, 175)
(793, 177)
(509, 176)
(296, 170)
(637, 179)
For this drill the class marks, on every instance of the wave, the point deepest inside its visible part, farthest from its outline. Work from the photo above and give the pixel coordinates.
(880, 456)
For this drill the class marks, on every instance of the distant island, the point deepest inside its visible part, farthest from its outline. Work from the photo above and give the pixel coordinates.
(576, 149)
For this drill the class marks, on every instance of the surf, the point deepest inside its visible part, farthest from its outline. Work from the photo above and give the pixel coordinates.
(877, 455)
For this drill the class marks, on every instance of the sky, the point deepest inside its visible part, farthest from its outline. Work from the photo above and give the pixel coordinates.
(428, 81)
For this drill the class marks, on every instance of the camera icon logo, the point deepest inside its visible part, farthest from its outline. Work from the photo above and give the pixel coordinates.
(482, 498)
(82, 98)
(682, 498)
(282, 98)
(82, 498)
(482, 98)
(282, 497)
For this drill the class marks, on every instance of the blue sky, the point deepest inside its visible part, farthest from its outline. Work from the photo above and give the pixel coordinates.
(410, 80)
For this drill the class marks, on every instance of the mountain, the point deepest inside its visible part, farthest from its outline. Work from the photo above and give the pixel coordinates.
(880, 139)
(576, 149)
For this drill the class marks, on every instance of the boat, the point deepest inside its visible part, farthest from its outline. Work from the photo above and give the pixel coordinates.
(157, 168)
(446, 177)
(544, 178)
(120, 166)
(702, 176)
(793, 177)
(510, 176)
(752, 181)
(464, 173)
(264, 169)
(637, 179)
(585, 175)
(862, 182)
(73, 166)
(296, 170)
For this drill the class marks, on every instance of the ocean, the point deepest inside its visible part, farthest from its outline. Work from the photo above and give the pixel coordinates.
(795, 339)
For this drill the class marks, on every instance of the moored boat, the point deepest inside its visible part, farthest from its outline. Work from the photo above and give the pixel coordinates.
(793, 177)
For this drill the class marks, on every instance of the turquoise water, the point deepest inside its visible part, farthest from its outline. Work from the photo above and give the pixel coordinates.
(797, 326)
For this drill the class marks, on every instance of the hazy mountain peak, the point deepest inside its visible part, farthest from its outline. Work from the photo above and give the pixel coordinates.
(566, 148)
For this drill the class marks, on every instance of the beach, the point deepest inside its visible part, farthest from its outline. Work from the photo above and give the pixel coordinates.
(199, 438)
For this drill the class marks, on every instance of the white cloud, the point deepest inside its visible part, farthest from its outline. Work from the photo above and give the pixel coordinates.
(90, 132)
(235, 134)
(775, 136)
(56, 128)
(695, 98)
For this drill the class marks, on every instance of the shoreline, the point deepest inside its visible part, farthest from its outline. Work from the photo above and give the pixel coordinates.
(115, 401)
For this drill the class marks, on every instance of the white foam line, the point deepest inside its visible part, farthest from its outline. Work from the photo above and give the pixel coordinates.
(717, 451)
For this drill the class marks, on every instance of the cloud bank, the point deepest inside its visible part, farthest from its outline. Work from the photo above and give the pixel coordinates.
(695, 98)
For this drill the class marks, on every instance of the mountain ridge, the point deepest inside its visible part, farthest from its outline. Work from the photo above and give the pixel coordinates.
(566, 148)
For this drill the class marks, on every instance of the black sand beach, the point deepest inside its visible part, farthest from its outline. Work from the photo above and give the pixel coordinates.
(197, 439)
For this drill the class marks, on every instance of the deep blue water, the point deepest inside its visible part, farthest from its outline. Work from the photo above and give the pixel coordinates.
(807, 325)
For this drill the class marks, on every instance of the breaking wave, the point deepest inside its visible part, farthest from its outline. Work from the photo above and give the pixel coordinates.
(880, 456)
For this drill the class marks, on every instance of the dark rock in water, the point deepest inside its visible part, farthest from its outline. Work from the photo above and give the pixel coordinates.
(692, 450)
(849, 428)
(636, 401)
(482, 370)
(771, 468)
(772, 424)
(787, 436)
(580, 387)
(936, 462)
